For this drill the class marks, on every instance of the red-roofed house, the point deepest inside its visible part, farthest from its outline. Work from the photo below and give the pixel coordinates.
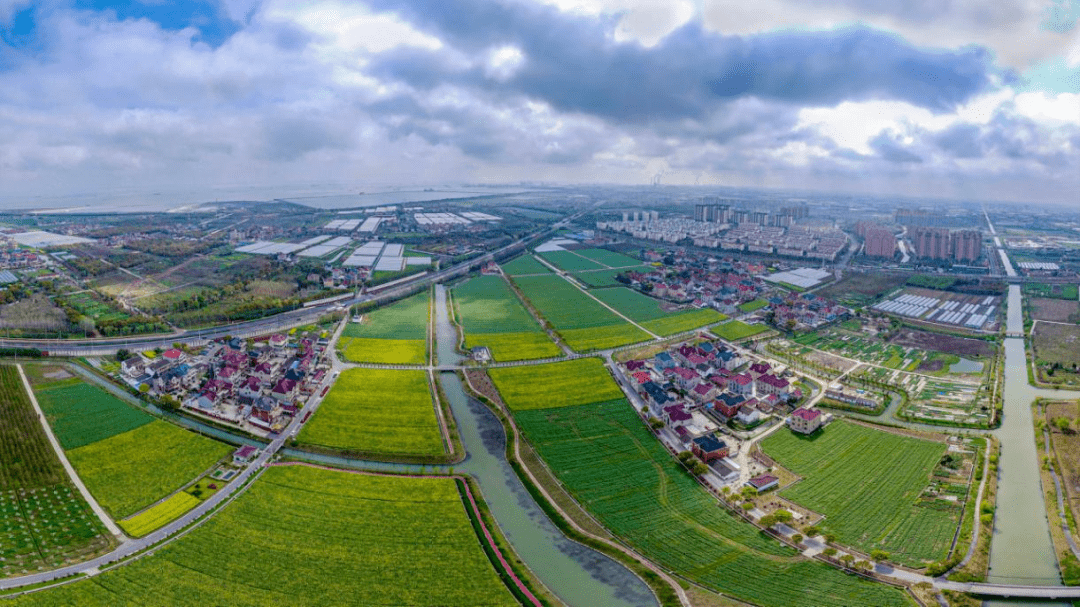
(686, 378)
(805, 421)
(771, 384)
(278, 341)
(173, 354)
(741, 384)
(265, 372)
(251, 388)
(758, 369)
(642, 377)
(703, 392)
(676, 415)
(285, 390)
(763, 482)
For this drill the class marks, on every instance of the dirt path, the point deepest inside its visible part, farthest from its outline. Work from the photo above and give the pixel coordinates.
(98, 510)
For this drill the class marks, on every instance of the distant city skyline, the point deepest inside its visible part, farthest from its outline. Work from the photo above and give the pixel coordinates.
(962, 99)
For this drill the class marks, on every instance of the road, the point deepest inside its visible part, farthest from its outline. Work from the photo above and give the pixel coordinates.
(193, 518)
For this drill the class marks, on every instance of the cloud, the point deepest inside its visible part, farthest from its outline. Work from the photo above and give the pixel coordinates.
(575, 64)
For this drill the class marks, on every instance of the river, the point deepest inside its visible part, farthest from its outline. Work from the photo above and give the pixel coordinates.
(580, 576)
(1022, 551)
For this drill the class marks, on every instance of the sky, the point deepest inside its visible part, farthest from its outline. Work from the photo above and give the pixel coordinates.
(970, 99)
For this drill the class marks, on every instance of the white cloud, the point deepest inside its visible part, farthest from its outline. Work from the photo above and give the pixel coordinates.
(503, 62)
(1054, 109)
(349, 27)
(853, 124)
(644, 21)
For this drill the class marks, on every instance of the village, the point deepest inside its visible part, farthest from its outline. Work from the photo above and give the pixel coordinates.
(255, 385)
(716, 400)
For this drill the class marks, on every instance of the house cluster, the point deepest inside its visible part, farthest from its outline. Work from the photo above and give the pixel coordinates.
(15, 258)
(257, 386)
(696, 388)
(804, 311)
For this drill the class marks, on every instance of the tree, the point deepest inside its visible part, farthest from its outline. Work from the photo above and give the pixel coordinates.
(767, 521)
(847, 559)
(1064, 424)
(812, 530)
(783, 516)
(122, 355)
(656, 423)
(830, 537)
(797, 538)
(879, 555)
(699, 468)
(830, 551)
(748, 505)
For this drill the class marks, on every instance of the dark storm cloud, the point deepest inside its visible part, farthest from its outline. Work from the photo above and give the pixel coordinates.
(573, 63)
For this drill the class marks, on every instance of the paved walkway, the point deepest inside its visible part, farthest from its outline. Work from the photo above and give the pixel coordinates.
(98, 510)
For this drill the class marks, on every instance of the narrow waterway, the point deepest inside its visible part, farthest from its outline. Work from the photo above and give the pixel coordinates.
(1022, 551)
(580, 576)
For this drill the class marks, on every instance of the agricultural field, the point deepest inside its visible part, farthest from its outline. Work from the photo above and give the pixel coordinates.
(80, 414)
(130, 471)
(523, 265)
(859, 289)
(377, 411)
(583, 323)
(516, 346)
(753, 306)
(44, 522)
(649, 313)
(487, 305)
(579, 381)
(875, 489)
(616, 469)
(159, 515)
(1056, 349)
(395, 334)
(735, 330)
(1062, 421)
(1052, 291)
(909, 350)
(605, 278)
(35, 315)
(570, 262)
(310, 537)
(1054, 310)
(610, 259)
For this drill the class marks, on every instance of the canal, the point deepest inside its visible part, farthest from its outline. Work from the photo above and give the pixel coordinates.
(1021, 551)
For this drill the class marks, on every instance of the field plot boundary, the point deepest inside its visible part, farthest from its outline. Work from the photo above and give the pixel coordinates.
(72, 475)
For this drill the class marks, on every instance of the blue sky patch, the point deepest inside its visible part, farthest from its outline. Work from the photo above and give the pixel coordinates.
(214, 25)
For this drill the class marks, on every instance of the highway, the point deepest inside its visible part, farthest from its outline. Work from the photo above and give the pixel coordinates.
(262, 326)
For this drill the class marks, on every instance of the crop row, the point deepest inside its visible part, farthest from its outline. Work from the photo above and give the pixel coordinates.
(378, 411)
(302, 536)
(618, 471)
(561, 384)
(867, 483)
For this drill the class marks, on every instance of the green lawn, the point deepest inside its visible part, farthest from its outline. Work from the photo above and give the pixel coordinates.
(570, 310)
(377, 411)
(561, 384)
(868, 483)
(493, 316)
(128, 472)
(309, 537)
(607, 459)
(526, 264)
(735, 330)
(610, 259)
(683, 321)
(395, 334)
(605, 278)
(570, 262)
(486, 304)
(647, 312)
(752, 306)
(80, 413)
(405, 319)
